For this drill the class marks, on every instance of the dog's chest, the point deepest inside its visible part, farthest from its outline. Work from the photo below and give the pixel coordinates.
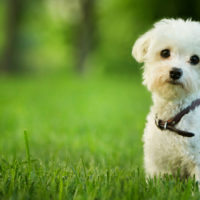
(167, 147)
(188, 122)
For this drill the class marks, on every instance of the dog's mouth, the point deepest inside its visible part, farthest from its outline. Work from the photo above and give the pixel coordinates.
(173, 82)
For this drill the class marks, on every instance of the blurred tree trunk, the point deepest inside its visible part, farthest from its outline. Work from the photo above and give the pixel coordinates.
(10, 61)
(176, 9)
(85, 34)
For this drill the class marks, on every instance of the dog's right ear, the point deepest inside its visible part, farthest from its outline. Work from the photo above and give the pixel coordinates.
(141, 46)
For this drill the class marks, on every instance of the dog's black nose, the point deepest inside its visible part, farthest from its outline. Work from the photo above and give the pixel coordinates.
(175, 73)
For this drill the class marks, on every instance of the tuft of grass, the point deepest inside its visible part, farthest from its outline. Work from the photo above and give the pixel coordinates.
(55, 181)
(27, 148)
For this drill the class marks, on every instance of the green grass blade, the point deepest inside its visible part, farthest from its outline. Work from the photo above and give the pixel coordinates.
(27, 147)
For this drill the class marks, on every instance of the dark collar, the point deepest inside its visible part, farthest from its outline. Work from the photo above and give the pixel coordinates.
(169, 124)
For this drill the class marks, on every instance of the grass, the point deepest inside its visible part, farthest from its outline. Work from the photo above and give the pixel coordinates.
(77, 138)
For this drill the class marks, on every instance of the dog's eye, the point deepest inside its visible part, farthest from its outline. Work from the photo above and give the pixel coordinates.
(165, 53)
(194, 60)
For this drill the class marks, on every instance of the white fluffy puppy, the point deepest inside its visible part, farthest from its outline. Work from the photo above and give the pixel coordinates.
(170, 52)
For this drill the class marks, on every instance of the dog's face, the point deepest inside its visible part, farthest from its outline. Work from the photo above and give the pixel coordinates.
(171, 55)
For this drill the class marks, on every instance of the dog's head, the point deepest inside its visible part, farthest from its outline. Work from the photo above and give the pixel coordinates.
(170, 52)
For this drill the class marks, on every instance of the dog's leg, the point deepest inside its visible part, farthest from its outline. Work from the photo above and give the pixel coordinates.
(196, 172)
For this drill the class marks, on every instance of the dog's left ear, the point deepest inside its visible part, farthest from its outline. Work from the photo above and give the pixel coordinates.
(141, 46)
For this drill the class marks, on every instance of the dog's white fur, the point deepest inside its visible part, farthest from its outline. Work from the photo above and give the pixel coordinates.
(165, 151)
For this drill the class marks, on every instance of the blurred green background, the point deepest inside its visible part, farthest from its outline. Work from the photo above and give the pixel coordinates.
(68, 77)
(79, 35)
